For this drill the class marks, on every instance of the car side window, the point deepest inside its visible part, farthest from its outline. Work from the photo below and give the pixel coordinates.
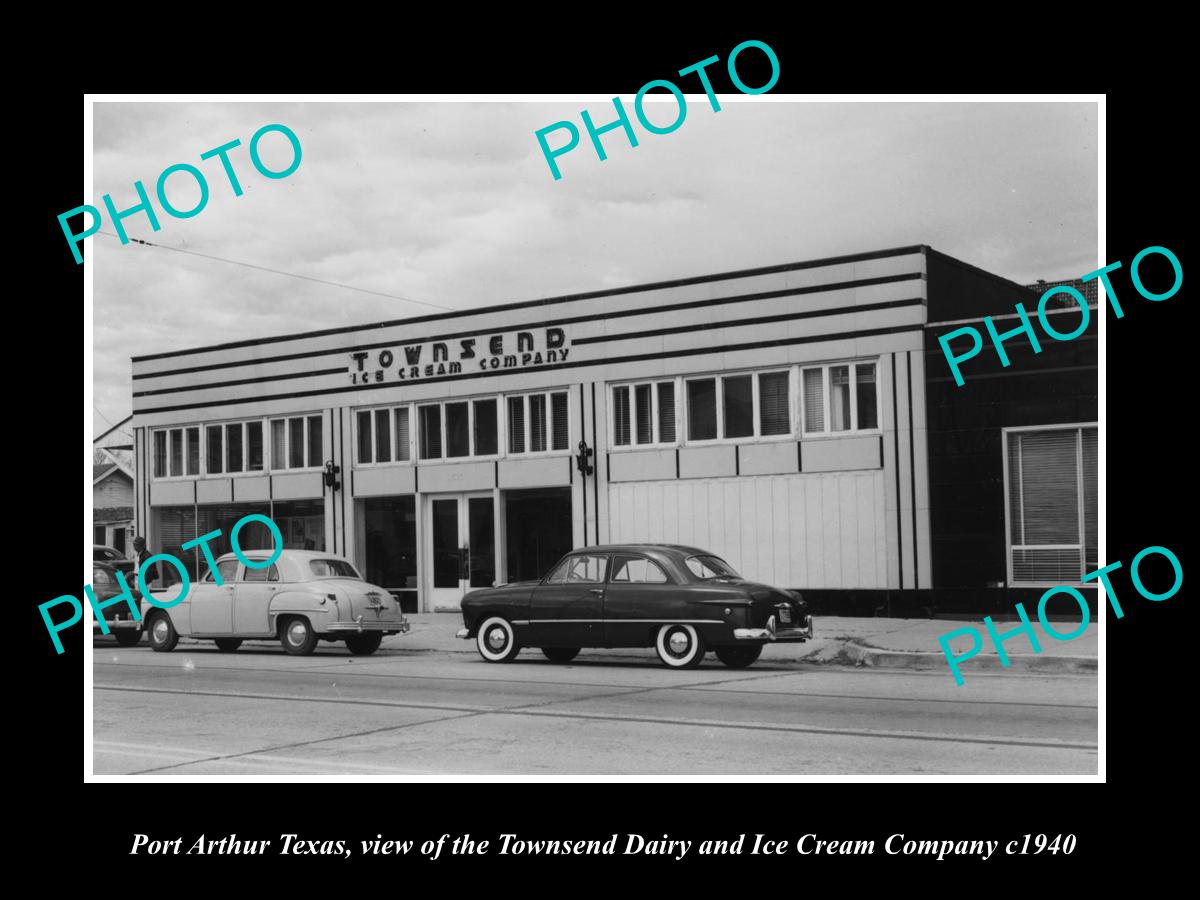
(637, 570)
(271, 573)
(228, 570)
(586, 569)
(560, 572)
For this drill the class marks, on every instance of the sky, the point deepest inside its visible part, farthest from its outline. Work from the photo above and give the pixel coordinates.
(453, 205)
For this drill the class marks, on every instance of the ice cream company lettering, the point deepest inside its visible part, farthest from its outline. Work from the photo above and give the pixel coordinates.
(482, 353)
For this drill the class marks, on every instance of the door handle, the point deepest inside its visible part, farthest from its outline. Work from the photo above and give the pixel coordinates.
(597, 591)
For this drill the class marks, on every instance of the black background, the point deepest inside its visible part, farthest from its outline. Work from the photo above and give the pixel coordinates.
(1147, 438)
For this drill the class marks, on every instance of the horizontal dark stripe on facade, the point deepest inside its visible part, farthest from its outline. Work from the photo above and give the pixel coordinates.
(616, 314)
(548, 301)
(287, 376)
(640, 357)
(683, 329)
(761, 320)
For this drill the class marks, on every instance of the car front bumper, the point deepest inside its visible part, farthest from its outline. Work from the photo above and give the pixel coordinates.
(360, 625)
(775, 634)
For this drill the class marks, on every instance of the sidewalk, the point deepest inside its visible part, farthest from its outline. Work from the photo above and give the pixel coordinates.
(885, 643)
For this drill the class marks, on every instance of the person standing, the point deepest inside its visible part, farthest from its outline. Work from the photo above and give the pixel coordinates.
(141, 553)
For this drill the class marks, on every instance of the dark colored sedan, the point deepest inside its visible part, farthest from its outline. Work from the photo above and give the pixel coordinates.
(119, 617)
(682, 601)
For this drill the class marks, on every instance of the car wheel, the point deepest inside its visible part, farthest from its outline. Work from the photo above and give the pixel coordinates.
(297, 636)
(739, 657)
(228, 645)
(364, 644)
(496, 641)
(127, 638)
(680, 646)
(560, 654)
(161, 633)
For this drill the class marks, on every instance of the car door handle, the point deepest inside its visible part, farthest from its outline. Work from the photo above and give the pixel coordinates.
(597, 590)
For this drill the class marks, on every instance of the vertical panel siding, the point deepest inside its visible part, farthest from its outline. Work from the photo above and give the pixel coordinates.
(819, 531)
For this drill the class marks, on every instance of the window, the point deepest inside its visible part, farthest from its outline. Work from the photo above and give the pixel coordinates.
(254, 446)
(332, 568)
(176, 451)
(1051, 483)
(538, 422)
(702, 409)
(516, 424)
(296, 443)
(583, 569)
(431, 431)
(213, 464)
(227, 568)
(160, 454)
(840, 397)
(458, 430)
(382, 435)
(750, 405)
(485, 427)
(710, 567)
(233, 448)
(269, 574)
(774, 406)
(738, 406)
(193, 451)
(643, 414)
(637, 570)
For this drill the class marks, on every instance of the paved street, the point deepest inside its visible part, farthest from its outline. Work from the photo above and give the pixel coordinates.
(260, 712)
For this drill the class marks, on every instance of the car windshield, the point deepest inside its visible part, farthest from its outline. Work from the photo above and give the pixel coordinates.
(332, 568)
(710, 567)
(105, 554)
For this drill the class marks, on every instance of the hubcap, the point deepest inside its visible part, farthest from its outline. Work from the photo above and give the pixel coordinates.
(297, 632)
(678, 642)
(497, 638)
(160, 630)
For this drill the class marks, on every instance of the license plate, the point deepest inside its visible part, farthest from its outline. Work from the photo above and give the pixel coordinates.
(785, 616)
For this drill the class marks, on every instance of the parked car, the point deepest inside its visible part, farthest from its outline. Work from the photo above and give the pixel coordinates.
(119, 617)
(682, 601)
(305, 596)
(115, 558)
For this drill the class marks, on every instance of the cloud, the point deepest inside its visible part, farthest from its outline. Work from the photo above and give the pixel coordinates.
(452, 203)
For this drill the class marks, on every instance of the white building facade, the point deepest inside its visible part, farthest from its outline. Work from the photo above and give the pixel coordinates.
(773, 416)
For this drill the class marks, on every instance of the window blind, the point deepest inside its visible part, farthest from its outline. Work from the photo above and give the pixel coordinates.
(773, 403)
(516, 424)
(1044, 506)
(814, 400)
(645, 418)
(666, 412)
(621, 416)
(558, 413)
(402, 435)
(537, 423)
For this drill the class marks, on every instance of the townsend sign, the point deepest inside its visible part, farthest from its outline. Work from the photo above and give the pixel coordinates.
(485, 352)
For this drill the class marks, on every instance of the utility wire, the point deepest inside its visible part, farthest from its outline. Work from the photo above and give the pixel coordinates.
(280, 272)
(96, 409)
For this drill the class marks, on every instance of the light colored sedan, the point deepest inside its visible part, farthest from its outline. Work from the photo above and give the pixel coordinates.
(303, 597)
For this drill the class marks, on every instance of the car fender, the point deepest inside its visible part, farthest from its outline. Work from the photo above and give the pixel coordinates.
(319, 610)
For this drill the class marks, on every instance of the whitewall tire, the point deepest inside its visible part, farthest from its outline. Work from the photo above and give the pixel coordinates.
(496, 641)
(679, 646)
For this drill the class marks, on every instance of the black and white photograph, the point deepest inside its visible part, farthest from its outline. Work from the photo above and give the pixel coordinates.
(537, 438)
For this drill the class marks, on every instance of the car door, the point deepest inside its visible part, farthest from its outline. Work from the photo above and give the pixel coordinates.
(567, 609)
(212, 604)
(639, 597)
(252, 601)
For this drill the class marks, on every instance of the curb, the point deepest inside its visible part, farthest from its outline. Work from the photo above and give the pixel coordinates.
(863, 655)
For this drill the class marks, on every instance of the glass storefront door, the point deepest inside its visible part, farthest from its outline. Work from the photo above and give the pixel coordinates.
(461, 546)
